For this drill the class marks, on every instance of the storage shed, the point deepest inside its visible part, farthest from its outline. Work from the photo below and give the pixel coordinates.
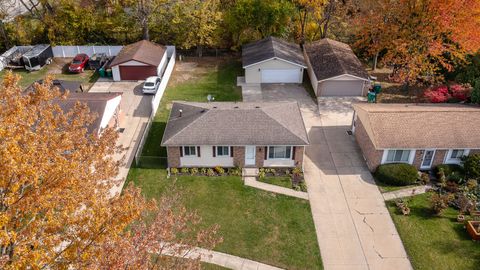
(273, 60)
(139, 61)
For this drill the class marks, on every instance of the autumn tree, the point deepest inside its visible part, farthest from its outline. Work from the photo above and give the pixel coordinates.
(56, 209)
(419, 38)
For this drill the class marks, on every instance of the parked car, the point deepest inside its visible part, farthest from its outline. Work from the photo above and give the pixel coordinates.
(79, 63)
(151, 85)
(97, 60)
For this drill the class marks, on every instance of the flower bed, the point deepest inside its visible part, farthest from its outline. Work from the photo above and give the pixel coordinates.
(473, 228)
(216, 171)
(295, 175)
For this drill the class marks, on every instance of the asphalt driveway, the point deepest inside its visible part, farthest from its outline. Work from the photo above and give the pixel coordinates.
(354, 228)
(135, 111)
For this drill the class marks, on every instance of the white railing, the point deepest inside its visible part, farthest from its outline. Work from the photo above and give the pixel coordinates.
(171, 54)
(71, 51)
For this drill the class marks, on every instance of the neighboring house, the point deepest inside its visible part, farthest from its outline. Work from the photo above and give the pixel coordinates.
(231, 134)
(424, 135)
(334, 69)
(139, 61)
(63, 85)
(273, 60)
(105, 105)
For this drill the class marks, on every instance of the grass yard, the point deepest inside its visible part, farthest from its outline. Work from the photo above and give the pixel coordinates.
(388, 188)
(437, 243)
(59, 69)
(283, 181)
(254, 224)
(193, 80)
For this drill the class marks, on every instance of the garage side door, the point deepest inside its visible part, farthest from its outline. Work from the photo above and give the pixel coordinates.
(341, 88)
(134, 73)
(281, 76)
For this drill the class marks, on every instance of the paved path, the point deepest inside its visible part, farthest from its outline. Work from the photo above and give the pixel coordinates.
(252, 182)
(223, 259)
(354, 228)
(406, 192)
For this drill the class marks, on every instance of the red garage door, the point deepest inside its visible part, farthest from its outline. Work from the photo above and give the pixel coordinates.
(137, 72)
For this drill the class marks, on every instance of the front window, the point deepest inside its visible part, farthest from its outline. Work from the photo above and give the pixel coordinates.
(401, 156)
(223, 151)
(455, 155)
(279, 152)
(189, 151)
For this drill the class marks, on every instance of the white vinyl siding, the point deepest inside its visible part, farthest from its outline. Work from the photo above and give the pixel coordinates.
(398, 156)
(454, 156)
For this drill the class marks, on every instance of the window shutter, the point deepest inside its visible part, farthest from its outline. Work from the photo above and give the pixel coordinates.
(293, 152)
(213, 151)
(231, 151)
(181, 151)
(266, 150)
(198, 151)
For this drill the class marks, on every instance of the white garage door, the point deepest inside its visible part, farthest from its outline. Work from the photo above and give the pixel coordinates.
(342, 88)
(281, 76)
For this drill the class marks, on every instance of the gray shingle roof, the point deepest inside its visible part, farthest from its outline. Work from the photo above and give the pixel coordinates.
(269, 48)
(330, 58)
(229, 123)
(421, 126)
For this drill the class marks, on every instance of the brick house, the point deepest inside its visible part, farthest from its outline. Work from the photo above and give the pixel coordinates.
(229, 134)
(424, 135)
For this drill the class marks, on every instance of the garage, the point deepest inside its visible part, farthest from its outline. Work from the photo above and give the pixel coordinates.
(135, 73)
(281, 75)
(273, 60)
(139, 61)
(342, 88)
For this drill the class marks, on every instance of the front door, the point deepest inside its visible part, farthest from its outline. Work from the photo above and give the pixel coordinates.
(427, 159)
(249, 155)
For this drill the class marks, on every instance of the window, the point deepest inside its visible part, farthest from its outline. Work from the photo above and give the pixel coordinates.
(279, 152)
(402, 156)
(454, 155)
(189, 151)
(223, 151)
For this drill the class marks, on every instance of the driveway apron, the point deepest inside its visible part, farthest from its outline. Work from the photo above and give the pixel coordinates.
(354, 228)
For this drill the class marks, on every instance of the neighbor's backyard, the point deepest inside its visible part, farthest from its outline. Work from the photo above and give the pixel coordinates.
(435, 242)
(258, 225)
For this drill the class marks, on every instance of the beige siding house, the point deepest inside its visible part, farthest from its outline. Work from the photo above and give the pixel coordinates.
(231, 134)
(424, 135)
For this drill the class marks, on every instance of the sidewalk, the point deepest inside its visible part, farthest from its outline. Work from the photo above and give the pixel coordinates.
(406, 192)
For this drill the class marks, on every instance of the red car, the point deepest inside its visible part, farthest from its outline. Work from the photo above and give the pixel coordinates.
(79, 63)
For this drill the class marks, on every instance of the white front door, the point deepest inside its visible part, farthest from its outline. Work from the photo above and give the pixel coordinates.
(249, 155)
(427, 160)
(281, 75)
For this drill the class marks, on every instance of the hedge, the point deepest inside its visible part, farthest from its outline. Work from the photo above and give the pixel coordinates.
(397, 174)
(453, 172)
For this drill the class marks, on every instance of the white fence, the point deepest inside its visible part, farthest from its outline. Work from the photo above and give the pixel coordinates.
(71, 51)
(171, 54)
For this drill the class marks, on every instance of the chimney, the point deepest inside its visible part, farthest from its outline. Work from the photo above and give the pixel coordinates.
(180, 112)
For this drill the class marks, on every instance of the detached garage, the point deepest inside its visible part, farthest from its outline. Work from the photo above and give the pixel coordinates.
(273, 60)
(139, 61)
(334, 69)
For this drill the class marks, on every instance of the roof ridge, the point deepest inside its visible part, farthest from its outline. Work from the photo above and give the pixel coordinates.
(181, 130)
(267, 114)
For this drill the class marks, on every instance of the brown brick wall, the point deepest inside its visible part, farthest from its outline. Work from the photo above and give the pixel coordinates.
(173, 156)
(239, 156)
(299, 150)
(474, 151)
(259, 156)
(439, 157)
(372, 156)
(417, 160)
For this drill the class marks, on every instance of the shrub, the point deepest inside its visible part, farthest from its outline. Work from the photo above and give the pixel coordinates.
(440, 202)
(210, 172)
(184, 170)
(219, 170)
(261, 174)
(297, 171)
(236, 171)
(448, 169)
(173, 171)
(471, 165)
(460, 92)
(193, 171)
(438, 94)
(397, 174)
(203, 171)
(425, 178)
(476, 92)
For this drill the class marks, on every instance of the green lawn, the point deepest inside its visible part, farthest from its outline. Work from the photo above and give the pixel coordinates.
(58, 69)
(283, 181)
(432, 242)
(254, 224)
(388, 188)
(194, 84)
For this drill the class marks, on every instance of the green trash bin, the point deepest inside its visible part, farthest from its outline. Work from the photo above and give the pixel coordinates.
(101, 71)
(371, 97)
(377, 88)
(109, 73)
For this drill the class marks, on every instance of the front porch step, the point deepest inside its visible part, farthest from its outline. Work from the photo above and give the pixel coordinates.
(250, 172)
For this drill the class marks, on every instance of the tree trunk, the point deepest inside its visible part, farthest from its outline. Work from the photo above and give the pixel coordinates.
(146, 33)
(375, 61)
(200, 50)
(4, 35)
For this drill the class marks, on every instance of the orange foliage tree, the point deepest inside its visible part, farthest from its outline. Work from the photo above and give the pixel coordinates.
(56, 210)
(419, 38)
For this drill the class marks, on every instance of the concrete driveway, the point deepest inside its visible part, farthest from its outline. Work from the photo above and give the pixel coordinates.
(354, 228)
(135, 109)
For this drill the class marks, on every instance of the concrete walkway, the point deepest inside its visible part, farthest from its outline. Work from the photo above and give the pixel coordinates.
(406, 192)
(222, 259)
(354, 228)
(252, 182)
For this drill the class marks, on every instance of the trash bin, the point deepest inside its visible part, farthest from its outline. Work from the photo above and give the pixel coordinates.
(109, 73)
(101, 71)
(371, 97)
(377, 88)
